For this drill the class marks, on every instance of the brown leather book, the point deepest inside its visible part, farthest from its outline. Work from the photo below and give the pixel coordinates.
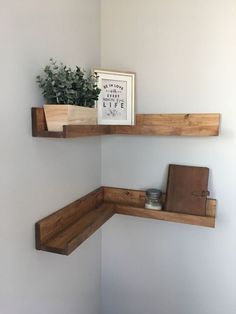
(187, 190)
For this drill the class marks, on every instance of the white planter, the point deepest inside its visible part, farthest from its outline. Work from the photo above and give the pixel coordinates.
(59, 115)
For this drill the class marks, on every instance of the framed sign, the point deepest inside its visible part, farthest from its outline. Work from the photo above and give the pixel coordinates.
(116, 100)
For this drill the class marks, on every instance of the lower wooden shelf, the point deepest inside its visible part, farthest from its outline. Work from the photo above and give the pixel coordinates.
(72, 236)
(63, 231)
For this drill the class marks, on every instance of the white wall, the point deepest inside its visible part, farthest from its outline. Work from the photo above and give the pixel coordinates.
(184, 55)
(39, 176)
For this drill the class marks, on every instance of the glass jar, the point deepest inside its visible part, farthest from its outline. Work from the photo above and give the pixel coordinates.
(153, 199)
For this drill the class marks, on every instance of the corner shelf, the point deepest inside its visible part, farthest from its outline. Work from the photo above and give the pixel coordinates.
(146, 124)
(132, 203)
(63, 231)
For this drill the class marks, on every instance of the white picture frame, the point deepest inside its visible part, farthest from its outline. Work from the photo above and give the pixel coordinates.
(116, 102)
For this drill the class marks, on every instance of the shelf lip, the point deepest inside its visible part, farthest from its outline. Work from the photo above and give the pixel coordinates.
(55, 224)
(75, 234)
(194, 124)
(204, 221)
(64, 230)
(73, 131)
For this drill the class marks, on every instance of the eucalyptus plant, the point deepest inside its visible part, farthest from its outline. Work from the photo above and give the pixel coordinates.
(62, 85)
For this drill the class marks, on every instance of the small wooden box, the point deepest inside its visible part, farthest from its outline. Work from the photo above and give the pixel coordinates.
(59, 115)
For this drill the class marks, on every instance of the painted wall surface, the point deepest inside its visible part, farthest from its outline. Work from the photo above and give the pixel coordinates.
(39, 176)
(184, 55)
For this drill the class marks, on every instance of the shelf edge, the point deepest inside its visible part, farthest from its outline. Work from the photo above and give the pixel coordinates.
(189, 125)
(203, 221)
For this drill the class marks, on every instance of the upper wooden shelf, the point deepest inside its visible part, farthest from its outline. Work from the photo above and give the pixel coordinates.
(146, 124)
(63, 231)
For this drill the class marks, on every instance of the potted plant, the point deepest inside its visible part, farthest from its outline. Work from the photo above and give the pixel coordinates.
(70, 96)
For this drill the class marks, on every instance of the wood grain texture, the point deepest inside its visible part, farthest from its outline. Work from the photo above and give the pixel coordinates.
(63, 231)
(172, 124)
(131, 202)
(59, 115)
(167, 216)
(39, 127)
(70, 238)
(55, 223)
(124, 196)
(146, 124)
(71, 131)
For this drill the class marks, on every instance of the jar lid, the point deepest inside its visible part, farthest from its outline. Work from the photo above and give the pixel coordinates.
(153, 193)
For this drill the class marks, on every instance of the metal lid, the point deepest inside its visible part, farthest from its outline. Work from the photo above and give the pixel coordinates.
(153, 193)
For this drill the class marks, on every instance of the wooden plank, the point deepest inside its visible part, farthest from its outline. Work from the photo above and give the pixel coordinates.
(71, 131)
(69, 239)
(61, 219)
(146, 124)
(182, 120)
(63, 231)
(167, 216)
(172, 124)
(104, 213)
(39, 127)
(124, 196)
(136, 198)
(38, 121)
